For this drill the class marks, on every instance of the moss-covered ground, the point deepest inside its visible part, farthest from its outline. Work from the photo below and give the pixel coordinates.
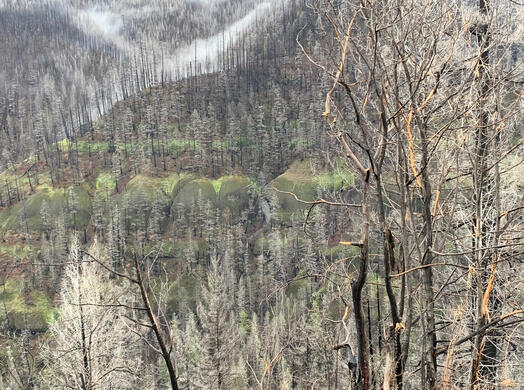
(24, 309)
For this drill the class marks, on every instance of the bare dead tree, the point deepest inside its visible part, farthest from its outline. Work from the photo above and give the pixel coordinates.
(406, 77)
(161, 330)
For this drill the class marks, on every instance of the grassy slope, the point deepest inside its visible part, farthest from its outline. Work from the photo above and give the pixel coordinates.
(230, 192)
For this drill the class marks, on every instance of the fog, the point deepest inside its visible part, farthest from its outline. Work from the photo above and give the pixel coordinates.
(108, 23)
(206, 51)
(104, 22)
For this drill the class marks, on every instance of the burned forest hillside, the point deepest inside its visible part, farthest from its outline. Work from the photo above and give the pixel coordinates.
(216, 194)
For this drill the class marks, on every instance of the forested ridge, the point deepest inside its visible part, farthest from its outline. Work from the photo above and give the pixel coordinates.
(272, 195)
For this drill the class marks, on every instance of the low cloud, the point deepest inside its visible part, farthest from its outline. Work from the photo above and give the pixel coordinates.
(206, 51)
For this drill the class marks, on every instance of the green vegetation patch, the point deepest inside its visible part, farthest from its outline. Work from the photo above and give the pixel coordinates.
(8, 218)
(219, 145)
(337, 180)
(18, 251)
(194, 190)
(302, 180)
(105, 182)
(217, 184)
(30, 310)
(169, 183)
(83, 146)
(298, 179)
(154, 185)
(176, 146)
(234, 194)
(151, 187)
(254, 185)
(41, 210)
(83, 206)
(141, 193)
(226, 184)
